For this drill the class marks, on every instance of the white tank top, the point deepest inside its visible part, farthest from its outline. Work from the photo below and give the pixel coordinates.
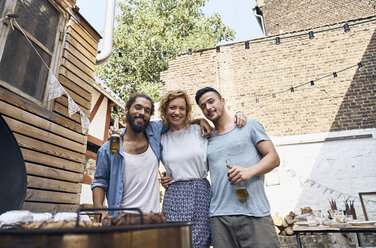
(141, 189)
(184, 154)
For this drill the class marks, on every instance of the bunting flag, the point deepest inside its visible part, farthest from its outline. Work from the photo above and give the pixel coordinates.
(312, 182)
(72, 106)
(55, 89)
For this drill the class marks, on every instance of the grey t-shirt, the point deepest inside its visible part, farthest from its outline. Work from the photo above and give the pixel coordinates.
(184, 154)
(238, 145)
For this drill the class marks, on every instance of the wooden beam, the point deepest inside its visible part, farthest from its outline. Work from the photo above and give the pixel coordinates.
(95, 141)
(41, 146)
(34, 110)
(88, 84)
(75, 30)
(55, 173)
(51, 197)
(40, 158)
(91, 154)
(41, 207)
(51, 184)
(39, 123)
(63, 100)
(108, 118)
(71, 40)
(88, 69)
(76, 70)
(74, 87)
(80, 56)
(63, 110)
(22, 128)
(96, 107)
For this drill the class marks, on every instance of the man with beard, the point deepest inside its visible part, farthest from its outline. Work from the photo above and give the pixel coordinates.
(130, 178)
(238, 155)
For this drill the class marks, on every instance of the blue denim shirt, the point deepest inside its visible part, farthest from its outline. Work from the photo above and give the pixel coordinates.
(110, 167)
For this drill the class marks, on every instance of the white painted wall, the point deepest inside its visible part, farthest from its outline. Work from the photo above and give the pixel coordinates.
(97, 124)
(312, 171)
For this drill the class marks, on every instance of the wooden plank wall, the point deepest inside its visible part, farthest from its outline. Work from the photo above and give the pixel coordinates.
(51, 142)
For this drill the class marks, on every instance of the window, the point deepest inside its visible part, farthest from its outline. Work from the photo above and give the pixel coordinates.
(21, 69)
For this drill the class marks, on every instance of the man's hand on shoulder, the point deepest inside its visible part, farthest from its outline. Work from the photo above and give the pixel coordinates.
(240, 119)
(206, 128)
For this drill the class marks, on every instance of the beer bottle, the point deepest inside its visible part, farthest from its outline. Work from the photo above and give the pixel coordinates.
(115, 138)
(241, 188)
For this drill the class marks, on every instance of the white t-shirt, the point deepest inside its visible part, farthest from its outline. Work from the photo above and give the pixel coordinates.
(141, 189)
(184, 154)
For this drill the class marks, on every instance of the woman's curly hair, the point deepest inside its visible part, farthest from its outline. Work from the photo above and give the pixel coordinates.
(169, 96)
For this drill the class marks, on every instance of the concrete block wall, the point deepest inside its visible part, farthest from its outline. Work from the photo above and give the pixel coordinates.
(292, 15)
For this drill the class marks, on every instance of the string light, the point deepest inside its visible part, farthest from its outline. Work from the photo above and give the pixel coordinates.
(218, 49)
(164, 54)
(346, 28)
(120, 54)
(277, 40)
(140, 54)
(246, 44)
(360, 65)
(312, 82)
(189, 51)
(311, 36)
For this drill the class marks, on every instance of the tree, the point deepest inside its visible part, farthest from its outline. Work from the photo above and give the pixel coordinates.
(145, 29)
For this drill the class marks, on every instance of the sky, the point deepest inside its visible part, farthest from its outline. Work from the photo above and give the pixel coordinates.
(237, 14)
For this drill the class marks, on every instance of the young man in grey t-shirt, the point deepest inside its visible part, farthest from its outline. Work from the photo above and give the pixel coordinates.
(234, 222)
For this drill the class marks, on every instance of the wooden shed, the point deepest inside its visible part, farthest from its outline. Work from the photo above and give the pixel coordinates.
(53, 145)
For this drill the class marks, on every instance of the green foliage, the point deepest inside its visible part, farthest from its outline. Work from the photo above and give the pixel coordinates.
(156, 25)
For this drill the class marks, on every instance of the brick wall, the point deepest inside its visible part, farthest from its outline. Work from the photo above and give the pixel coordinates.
(332, 104)
(293, 15)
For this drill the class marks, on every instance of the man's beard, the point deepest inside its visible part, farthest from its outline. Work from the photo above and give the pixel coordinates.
(138, 129)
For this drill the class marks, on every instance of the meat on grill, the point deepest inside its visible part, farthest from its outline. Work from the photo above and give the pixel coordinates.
(124, 219)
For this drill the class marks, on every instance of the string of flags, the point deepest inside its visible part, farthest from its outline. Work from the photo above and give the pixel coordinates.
(55, 89)
(246, 44)
(312, 183)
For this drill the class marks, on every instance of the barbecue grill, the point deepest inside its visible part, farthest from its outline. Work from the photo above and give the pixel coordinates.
(167, 235)
(12, 170)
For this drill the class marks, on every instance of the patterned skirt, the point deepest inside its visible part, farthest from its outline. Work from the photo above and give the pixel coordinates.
(190, 201)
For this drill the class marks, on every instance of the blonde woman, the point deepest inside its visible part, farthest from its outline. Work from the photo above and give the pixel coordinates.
(187, 197)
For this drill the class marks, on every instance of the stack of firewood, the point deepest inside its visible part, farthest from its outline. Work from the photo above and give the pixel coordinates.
(284, 226)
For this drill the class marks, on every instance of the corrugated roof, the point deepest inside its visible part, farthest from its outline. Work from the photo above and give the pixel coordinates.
(104, 89)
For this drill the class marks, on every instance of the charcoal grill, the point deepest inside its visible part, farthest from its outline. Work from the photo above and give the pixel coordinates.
(13, 181)
(168, 235)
